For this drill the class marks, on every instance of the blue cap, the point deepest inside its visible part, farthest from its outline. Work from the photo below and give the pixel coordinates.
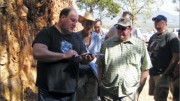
(159, 18)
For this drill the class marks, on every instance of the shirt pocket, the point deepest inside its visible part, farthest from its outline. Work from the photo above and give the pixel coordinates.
(134, 59)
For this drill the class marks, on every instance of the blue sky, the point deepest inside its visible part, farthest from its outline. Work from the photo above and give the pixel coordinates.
(168, 6)
(167, 9)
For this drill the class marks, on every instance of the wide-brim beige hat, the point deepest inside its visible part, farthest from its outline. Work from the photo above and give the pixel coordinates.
(87, 16)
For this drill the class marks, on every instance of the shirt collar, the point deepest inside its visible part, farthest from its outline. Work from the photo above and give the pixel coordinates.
(163, 33)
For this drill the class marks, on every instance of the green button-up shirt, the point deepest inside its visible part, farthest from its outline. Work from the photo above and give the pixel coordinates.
(122, 64)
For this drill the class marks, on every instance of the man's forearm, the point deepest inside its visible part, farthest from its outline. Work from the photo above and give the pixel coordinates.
(41, 53)
(172, 64)
(51, 57)
(144, 76)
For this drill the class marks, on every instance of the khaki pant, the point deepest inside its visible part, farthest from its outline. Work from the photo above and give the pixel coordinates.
(176, 89)
(159, 87)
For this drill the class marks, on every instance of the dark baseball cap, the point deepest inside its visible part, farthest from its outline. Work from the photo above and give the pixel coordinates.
(159, 18)
(127, 12)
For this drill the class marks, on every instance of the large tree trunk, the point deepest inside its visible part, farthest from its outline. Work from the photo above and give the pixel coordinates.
(20, 20)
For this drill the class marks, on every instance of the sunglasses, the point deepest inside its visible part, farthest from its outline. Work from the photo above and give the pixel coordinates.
(122, 28)
(89, 22)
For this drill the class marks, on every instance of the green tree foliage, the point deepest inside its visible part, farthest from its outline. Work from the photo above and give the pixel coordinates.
(139, 7)
(104, 8)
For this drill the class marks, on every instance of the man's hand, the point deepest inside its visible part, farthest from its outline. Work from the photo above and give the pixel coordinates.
(86, 58)
(70, 54)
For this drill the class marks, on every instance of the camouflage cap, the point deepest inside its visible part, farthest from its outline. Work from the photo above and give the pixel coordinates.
(124, 22)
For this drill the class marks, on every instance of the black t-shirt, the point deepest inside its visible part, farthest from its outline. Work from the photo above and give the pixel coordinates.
(60, 76)
(161, 48)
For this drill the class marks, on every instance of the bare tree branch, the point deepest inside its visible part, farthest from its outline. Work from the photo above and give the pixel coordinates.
(141, 7)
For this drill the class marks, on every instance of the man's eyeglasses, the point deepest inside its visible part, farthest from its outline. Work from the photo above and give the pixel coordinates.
(118, 27)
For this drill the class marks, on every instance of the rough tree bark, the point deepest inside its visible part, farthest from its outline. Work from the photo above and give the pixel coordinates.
(20, 20)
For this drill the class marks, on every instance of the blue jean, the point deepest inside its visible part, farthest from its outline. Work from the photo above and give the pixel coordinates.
(44, 96)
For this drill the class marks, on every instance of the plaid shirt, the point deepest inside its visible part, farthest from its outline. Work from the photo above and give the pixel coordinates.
(122, 64)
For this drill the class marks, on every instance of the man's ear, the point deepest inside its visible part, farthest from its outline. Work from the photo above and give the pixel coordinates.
(82, 22)
(63, 16)
(165, 22)
(130, 28)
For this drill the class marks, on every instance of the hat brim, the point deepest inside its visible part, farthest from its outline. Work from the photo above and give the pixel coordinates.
(81, 18)
(122, 25)
(153, 19)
